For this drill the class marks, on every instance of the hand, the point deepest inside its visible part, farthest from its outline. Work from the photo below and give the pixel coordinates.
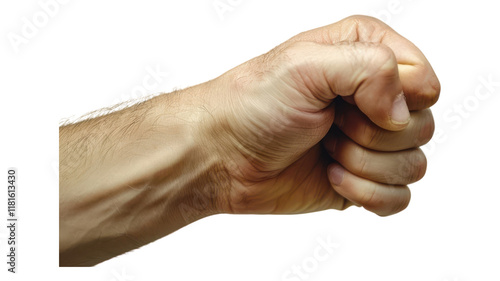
(319, 122)
(269, 116)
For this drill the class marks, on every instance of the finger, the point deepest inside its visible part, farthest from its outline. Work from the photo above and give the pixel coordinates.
(381, 199)
(401, 168)
(352, 122)
(419, 81)
(368, 72)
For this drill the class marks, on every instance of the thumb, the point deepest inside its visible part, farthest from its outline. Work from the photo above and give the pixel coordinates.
(366, 71)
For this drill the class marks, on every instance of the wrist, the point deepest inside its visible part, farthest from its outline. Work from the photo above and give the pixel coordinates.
(187, 173)
(203, 178)
(209, 194)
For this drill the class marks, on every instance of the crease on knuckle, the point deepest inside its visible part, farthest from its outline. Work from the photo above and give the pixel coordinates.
(362, 160)
(368, 198)
(370, 136)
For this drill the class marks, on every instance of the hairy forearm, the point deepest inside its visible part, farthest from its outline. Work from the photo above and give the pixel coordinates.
(133, 176)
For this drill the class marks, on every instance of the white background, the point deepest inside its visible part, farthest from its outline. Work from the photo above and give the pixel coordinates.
(91, 54)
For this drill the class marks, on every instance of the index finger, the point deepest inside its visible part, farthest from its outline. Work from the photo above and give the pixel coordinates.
(419, 81)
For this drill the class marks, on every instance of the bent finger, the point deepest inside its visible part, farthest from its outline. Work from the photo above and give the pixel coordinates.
(353, 123)
(380, 199)
(366, 71)
(400, 168)
(419, 81)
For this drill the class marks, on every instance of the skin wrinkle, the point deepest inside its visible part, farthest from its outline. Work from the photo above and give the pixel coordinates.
(323, 162)
(303, 180)
(295, 189)
(363, 161)
(372, 136)
(367, 197)
(258, 154)
(317, 93)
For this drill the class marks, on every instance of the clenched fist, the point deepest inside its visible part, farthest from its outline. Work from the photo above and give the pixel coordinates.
(322, 121)
(330, 118)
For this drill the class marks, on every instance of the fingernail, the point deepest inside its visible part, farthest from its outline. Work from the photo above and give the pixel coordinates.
(400, 113)
(336, 175)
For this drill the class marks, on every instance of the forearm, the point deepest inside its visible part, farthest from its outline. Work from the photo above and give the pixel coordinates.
(133, 176)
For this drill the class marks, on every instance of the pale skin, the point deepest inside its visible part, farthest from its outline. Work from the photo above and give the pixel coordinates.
(319, 122)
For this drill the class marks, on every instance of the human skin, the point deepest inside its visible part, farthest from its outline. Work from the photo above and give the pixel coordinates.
(308, 126)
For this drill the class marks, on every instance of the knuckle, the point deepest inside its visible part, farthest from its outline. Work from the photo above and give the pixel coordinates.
(362, 160)
(379, 59)
(422, 166)
(435, 91)
(369, 199)
(358, 20)
(402, 203)
(427, 128)
(372, 197)
(385, 59)
(295, 49)
(413, 167)
(291, 55)
(354, 19)
(371, 136)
